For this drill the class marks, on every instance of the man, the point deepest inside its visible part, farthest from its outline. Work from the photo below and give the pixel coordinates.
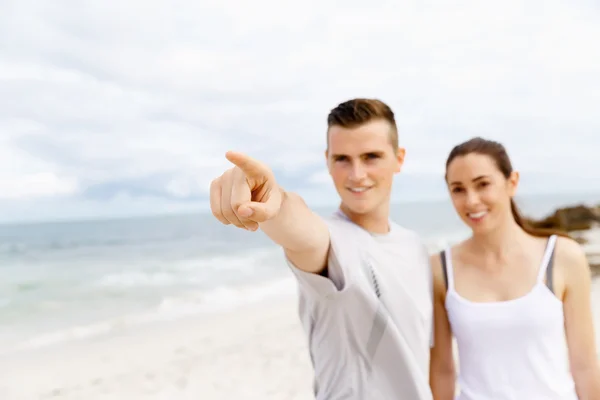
(365, 282)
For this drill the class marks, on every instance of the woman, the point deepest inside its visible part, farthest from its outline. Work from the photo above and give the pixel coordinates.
(516, 300)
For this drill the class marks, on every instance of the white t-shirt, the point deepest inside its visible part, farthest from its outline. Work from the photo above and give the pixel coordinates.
(363, 346)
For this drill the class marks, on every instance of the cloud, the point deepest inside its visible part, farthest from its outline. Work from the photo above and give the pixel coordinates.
(140, 100)
(36, 185)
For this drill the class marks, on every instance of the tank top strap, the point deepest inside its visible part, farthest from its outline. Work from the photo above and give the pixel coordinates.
(547, 262)
(446, 259)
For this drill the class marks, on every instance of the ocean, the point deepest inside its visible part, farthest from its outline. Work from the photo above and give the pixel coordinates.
(62, 281)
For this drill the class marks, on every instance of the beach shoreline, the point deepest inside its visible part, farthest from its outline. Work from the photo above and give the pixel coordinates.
(255, 351)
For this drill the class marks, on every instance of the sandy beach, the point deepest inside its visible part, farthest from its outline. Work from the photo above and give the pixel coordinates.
(257, 352)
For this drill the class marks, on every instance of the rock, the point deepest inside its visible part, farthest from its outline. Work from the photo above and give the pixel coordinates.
(595, 268)
(578, 237)
(594, 261)
(592, 250)
(569, 219)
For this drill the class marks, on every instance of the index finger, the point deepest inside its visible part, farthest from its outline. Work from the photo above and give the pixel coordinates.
(250, 166)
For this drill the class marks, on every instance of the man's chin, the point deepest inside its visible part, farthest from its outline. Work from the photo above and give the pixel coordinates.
(358, 207)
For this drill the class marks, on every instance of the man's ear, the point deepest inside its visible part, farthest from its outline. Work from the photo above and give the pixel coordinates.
(400, 155)
(327, 161)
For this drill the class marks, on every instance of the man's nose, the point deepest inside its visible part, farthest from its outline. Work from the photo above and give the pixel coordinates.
(358, 171)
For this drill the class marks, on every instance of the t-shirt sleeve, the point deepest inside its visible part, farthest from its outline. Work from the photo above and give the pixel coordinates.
(337, 275)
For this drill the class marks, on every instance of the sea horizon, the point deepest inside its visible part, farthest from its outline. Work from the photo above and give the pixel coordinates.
(573, 198)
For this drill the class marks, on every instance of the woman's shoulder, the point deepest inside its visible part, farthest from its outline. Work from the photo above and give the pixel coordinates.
(437, 264)
(568, 249)
(570, 258)
(438, 275)
(436, 257)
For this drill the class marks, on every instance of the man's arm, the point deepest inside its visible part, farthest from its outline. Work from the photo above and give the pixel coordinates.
(302, 234)
(249, 197)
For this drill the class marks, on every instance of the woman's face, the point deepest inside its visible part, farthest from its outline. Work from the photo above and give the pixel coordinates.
(479, 191)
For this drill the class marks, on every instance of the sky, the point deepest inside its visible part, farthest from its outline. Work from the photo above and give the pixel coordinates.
(111, 108)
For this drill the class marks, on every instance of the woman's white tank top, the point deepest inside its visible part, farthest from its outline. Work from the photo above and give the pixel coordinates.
(511, 350)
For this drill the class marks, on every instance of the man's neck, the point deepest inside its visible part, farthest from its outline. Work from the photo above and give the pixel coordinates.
(377, 222)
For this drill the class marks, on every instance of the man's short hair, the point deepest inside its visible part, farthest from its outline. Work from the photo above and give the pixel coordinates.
(353, 113)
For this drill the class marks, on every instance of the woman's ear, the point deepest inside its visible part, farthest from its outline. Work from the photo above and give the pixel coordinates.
(513, 183)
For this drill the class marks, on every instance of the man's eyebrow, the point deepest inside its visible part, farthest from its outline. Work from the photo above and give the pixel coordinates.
(374, 152)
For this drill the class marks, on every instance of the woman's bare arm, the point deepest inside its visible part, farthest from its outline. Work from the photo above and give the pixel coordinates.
(579, 324)
(442, 374)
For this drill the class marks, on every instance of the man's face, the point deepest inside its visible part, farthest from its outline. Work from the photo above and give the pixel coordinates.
(362, 163)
